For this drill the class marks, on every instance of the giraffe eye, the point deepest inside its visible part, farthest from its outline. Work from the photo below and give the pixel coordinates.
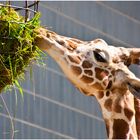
(100, 56)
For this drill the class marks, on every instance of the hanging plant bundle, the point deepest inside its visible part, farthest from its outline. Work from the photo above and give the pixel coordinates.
(17, 48)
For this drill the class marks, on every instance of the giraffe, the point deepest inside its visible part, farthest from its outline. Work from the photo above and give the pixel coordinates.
(100, 70)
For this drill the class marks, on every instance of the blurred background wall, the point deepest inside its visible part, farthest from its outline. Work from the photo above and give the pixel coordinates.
(51, 106)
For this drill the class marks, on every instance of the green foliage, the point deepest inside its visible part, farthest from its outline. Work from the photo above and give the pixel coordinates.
(17, 47)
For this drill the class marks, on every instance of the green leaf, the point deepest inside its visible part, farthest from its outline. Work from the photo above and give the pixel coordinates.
(19, 87)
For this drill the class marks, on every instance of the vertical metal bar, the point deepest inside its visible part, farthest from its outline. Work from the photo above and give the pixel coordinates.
(37, 5)
(9, 3)
(26, 11)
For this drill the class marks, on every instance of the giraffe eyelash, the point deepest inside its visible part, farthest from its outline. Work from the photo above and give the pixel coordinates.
(100, 56)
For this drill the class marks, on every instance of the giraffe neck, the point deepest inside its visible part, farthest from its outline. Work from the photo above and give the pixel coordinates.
(119, 114)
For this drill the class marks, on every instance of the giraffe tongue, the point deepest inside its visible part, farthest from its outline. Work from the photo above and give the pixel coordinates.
(135, 90)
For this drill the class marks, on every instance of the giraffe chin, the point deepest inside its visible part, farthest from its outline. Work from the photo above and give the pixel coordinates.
(134, 89)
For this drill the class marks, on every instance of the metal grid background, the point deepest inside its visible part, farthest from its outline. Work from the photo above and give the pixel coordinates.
(52, 107)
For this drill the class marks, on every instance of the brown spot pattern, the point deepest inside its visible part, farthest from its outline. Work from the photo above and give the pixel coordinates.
(131, 136)
(109, 85)
(97, 86)
(70, 49)
(136, 61)
(137, 115)
(86, 79)
(76, 70)
(61, 42)
(128, 113)
(100, 94)
(108, 104)
(123, 128)
(88, 72)
(74, 59)
(86, 64)
(117, 106)
(71, 44)
(48, 35)
(101, 73)
(107, 93)
(113, 72)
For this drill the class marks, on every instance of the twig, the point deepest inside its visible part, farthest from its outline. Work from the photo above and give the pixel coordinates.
(10, 117)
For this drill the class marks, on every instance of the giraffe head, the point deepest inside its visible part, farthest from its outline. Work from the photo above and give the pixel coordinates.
(93, 66)
(100, 70)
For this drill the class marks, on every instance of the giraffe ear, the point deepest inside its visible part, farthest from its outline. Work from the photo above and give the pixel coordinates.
(134, 87)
